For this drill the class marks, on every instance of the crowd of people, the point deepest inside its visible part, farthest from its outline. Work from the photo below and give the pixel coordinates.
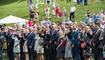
(51, 41)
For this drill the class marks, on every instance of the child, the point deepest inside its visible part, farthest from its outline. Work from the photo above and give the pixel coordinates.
(64, 13)
(30, 22)
(60, 15)
(57, 10)
(36, 15)
(53, 13)
(47, 10)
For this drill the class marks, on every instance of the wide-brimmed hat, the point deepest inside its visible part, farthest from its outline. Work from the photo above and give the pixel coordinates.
(11, 28)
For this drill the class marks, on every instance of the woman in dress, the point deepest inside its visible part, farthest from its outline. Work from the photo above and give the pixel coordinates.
(68, 52)
(25, 50)
(47, 11)
(39, 44)
(37, 15)
(16, 48)
(60, 48)
(57, 11)
(53, 13)
(64, 13)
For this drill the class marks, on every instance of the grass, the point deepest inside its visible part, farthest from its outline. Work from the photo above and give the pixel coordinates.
(20, 8)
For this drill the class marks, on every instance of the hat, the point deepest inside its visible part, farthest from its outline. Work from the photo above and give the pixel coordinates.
(11, 28)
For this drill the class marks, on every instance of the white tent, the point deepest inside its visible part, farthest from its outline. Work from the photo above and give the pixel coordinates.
(12, 19)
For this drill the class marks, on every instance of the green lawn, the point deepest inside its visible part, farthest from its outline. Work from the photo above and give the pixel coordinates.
(20, 8)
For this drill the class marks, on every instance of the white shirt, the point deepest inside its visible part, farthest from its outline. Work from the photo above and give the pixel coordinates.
(31, 6)
(72, 9)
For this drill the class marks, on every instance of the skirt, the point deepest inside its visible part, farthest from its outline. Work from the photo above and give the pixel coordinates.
(60, 52)
(68, 52)
(5, 45)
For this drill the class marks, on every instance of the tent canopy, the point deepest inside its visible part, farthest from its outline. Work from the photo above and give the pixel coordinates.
(12, 19)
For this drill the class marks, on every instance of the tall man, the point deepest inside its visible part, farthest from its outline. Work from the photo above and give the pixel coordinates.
(31, 43)
(76, 44)
(98, 42)
(53, 39)
(72, 11)
(1, 43)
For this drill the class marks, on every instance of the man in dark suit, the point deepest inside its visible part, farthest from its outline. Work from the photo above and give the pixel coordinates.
(10, 44)
(31, 43)
(46, 45)
(53, 39)
(1, 43)
(76, 44)
(98, 42)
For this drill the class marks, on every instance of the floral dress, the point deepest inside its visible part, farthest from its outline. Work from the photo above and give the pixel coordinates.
(39, 44)
(16, 48)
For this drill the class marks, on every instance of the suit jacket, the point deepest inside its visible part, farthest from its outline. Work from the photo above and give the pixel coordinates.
(75, 39)
(9, 39)
(1, 39)
(54, 36)
(98, 43)
(31, 39)
(46, 39)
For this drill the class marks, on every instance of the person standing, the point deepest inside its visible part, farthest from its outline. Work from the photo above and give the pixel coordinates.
(31, 7)
(48, 2)
(25, 49)
(85, 2)
(30, 44)
(64, 14)
(68, 49)
(47, 11)
(76, 44)
(60, 47)
(96, 17)
(16, 48)
(72, 11)
(81, 2)
(1, 43)
(78, 2)
(97, 0)
(53, 40)
(36, 3)
(97, 42)
(10, 43)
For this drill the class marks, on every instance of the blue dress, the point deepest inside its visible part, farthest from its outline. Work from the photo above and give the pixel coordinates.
(68, 52)
(60, 51)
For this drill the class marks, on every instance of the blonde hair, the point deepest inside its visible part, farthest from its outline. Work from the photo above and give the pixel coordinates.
(60, 34)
